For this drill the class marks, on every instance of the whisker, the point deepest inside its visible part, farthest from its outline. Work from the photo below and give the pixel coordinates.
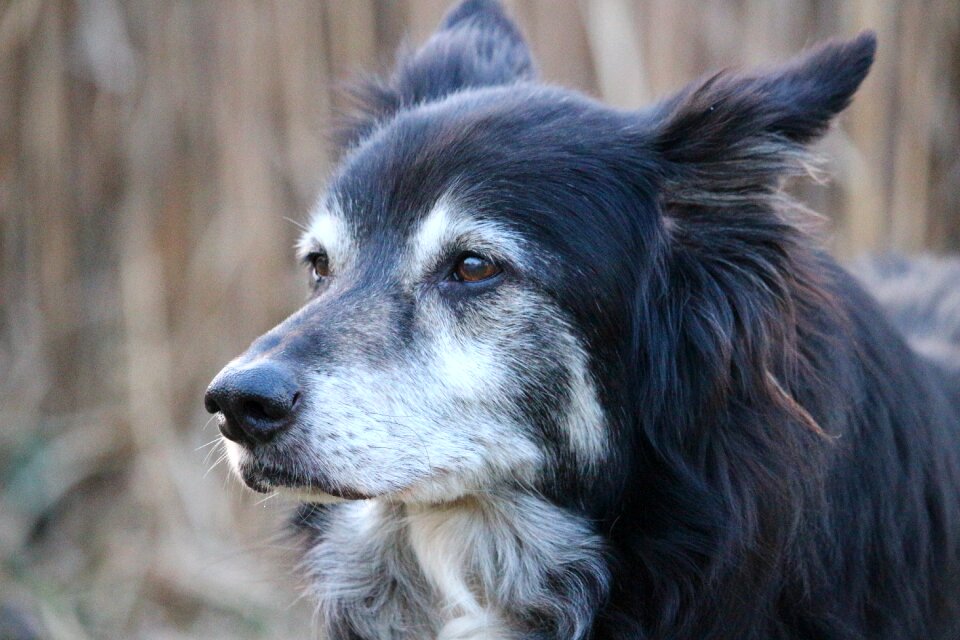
(206, 457)
(265, 498)
(204, 446)
(298, 225)
(207, 423)
(222, 457)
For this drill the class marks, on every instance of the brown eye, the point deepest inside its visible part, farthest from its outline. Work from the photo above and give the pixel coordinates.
(473, 268)
(320, 264)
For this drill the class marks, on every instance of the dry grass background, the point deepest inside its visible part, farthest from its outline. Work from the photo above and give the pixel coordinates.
(149, 153)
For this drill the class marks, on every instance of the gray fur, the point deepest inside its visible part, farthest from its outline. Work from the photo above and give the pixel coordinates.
(491, 566)
(922, 297)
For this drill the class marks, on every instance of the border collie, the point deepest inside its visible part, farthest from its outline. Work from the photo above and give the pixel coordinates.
(569, 371)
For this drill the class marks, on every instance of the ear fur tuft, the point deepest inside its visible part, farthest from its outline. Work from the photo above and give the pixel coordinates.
(731, 137)
(489, 12)
(476, 45)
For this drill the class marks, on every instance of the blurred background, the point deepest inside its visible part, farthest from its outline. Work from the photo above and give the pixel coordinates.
(155, 158)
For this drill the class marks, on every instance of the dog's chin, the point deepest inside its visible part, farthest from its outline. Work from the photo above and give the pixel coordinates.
(265, 481)
(267, 478)
(263, 477)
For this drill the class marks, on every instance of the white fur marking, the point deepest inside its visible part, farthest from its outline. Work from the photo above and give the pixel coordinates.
(328, 232)
(586, 424)
(469, 570)
(446, 228)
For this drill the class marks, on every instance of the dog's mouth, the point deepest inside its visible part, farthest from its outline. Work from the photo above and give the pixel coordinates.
(267, 478)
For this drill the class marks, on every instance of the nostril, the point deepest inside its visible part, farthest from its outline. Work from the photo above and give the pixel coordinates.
(257, 411)
(210, 404)
(257, 400)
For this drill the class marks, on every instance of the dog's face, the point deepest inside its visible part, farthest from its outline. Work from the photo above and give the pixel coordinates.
(476, 263)
(435, 356)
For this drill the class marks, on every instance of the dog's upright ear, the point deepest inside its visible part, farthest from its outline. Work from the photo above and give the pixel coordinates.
(476, 45)
(732, 136)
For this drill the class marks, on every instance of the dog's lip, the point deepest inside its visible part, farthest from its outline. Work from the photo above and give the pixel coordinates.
(265, 478)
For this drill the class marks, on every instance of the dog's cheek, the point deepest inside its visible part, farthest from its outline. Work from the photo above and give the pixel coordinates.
(479, 365)
(360, 434)
(584, 419)
(540, 369)
(471, 372)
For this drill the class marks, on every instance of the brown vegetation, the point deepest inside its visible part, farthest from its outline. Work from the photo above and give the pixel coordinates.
(149, 155)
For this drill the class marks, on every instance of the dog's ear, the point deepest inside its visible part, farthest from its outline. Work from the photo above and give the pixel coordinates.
(726, 138)
(476, 45)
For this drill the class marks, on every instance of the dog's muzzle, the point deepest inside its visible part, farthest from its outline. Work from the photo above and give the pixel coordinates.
(257, 400)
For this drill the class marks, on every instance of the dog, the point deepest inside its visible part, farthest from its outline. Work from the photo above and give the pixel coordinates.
(568, 371)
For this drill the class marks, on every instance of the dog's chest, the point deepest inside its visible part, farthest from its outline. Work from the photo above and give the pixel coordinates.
(475, 570)
(457, 557)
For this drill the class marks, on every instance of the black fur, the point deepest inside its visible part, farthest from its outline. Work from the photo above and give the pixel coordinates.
(475, 46)
(784, 465)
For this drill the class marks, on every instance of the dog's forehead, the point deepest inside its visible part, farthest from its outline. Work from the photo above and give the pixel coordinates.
(417, 177)
(476, 164)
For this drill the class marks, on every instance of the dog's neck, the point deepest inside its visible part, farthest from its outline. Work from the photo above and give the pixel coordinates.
(494, 566)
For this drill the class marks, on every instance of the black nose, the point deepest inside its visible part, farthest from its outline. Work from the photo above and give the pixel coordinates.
(257, 401)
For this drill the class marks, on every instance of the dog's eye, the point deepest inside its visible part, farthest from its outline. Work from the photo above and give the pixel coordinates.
(319, 264)
(473, 268)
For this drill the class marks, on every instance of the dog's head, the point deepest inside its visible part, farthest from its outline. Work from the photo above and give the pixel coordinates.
(490, 261)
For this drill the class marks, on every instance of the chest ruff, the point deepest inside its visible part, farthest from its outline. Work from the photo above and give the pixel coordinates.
(490, 567)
